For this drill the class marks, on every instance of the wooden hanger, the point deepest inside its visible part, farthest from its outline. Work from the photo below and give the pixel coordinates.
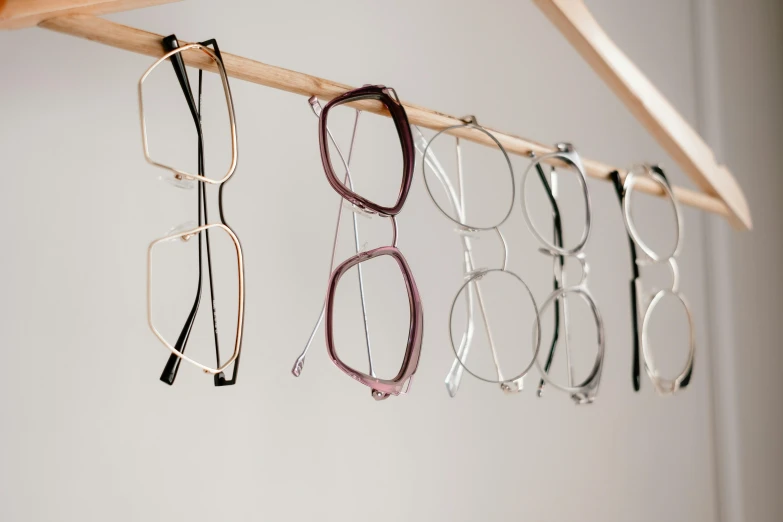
(719, 192)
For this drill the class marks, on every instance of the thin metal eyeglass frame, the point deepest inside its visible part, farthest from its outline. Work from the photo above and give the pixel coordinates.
(472, 274)
(172, 366)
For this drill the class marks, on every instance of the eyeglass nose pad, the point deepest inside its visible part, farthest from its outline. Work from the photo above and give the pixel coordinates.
(175, 179)
(379, 396)
(179, 229)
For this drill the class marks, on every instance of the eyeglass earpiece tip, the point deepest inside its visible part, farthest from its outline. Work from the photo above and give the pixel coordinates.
(298, 366)
(220, 380)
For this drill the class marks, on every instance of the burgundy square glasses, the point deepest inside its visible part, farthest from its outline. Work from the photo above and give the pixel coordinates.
(400, 384)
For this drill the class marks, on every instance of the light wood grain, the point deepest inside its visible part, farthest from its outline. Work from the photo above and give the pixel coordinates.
(648, 105)
(143, 42)
(17, 14)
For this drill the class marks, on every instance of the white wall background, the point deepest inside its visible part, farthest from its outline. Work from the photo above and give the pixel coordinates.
(89, 433)
(751, 78)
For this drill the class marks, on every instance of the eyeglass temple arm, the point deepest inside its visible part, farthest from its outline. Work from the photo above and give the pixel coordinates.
(357, 246)
(558, 240)
(469, 260)
(220, 378)
(636, 365)
(171, 368)
(658, 170)
(454, 376)
(299, 363)
(169, 44)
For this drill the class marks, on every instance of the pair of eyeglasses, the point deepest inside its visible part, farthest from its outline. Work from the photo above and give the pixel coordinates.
(482, 287)
(222, 245)
(335, 161)
(644, 304)
(585, 391)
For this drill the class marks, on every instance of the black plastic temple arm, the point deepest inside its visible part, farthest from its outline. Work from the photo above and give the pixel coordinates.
(220, 379)
(171, 368)
(558, 239)
(636, 364)
(172, 365)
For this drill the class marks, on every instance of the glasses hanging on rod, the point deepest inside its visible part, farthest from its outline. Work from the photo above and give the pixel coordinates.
(584, 391)
(383, 196)
(491, 291)
(644, 304)
(164, 121)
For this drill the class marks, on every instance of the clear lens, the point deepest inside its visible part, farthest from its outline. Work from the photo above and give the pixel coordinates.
(570, 320)
(569, 198)
(387, 309)
(176, 290)
(376, 160)
(655, 222)
(667, 321)
(492, 324)
(473, 185)
(172, 132)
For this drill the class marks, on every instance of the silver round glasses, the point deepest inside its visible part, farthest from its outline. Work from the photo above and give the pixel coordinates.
(585, 391)
(648, 302)
(471, 291)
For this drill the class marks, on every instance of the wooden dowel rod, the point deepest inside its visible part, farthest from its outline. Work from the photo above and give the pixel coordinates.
(143, 42)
